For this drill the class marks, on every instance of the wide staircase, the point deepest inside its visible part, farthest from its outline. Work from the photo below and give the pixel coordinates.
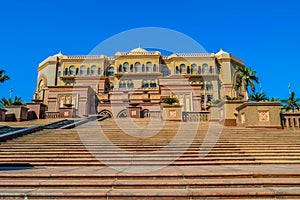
(142, 159)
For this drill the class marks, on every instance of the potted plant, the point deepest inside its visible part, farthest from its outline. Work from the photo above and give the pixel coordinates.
(170, 100)
(171, 109)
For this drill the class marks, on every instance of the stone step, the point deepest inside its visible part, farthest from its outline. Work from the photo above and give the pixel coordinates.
(236, 193)
(241, 163)
(159, 184)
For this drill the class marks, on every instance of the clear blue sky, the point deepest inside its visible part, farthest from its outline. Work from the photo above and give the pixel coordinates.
(265, 34)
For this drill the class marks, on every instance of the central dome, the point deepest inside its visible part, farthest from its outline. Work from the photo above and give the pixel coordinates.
(139, 49)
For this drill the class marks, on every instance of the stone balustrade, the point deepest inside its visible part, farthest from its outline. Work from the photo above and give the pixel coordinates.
(290, 120)
(50, 115)
(154, 114)
(195, 116)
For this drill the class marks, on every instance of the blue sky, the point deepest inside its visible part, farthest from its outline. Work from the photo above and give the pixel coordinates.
(265, 34)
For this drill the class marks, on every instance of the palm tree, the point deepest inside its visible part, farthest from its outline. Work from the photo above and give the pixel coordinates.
(247, 78)
(258, 97)
(291, 103)
(10, 102)
(3, 77)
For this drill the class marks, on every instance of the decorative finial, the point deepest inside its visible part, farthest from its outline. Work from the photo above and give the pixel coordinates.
(139, 45)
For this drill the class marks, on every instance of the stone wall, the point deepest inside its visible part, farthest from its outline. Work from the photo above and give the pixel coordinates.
(2, 115)
(259, 114)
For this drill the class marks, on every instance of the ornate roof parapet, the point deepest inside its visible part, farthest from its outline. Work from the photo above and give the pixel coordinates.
(137, 53)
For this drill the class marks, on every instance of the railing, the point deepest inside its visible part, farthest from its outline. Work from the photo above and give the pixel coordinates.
(52, 115)
(290, 120)
(154, 114)
(195, 116)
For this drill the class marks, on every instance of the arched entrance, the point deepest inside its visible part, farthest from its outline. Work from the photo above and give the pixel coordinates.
(105, 113)
(123, 114)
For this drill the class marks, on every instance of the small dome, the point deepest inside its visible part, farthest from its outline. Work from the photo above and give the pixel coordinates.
(221, 52)
(139, 49)
(59, 54)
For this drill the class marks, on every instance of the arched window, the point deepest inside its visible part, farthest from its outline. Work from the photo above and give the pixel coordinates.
(93, 70)
(188, 70)
(131, 68)
(145, 84)
(88, 71)
(111, 86)
(143, 68)
(176, 70)
(209, 86)
(126, 65)
(66, 72)
(211, 70)
(82, 70)
(165, 71)
(77, 72)
(99, 71)
(148, 66)
(111, 72)
(154, 68)
(182, 68)
(59, 74)
(122, 84)
(194, 68)
(72, 70)
(204, 68)
(137, 66)
(120, 68)
(152, 84)
(130, 84)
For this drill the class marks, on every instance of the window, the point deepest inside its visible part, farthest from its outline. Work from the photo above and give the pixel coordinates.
(131, 68)
(205, 69)
(199, 70)
(152, 84)
(82, 70)
(93, 70)
(209, 86)
(99, 71)
(111, 72)
(194, 68)
(165, 71)
(125, 66)
(154, 68)
(130, 84)
(209, 97)
(145, 84)
(137, 66)
(66, 72)
(211, 71)
(148, 66)
(111, 86)
(72, 71)
(143, 68)
(176, 70)
(59, 74)
(88, 71)
(77, 71)
(122, 84)
(202, 99)
(188, 70)
(120, 68)
(182, 68)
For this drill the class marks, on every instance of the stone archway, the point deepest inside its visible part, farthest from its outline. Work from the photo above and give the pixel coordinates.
(105, 113)
(123, 114)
